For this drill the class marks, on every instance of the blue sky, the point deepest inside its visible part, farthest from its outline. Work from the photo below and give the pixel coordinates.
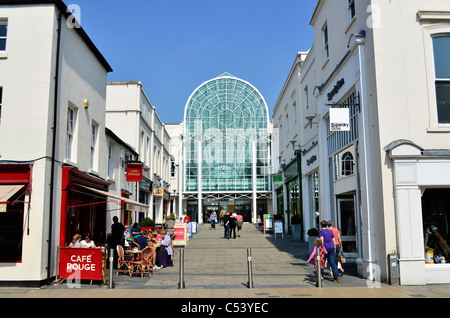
(173, 46)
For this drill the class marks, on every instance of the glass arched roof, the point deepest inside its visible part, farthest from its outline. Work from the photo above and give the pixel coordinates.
(226, 125)
(226, 103)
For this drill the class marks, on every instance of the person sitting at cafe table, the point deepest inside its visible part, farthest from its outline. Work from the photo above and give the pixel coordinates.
(136, 231)
(76, 241)
(165, 253)
(142, 240)
(87, 242)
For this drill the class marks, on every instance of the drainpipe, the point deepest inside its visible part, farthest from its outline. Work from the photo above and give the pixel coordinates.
(55, 121)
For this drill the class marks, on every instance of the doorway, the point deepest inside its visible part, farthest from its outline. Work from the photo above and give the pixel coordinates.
(347, 226)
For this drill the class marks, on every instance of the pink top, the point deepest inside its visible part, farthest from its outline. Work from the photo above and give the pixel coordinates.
(239, 218)
(314, 253)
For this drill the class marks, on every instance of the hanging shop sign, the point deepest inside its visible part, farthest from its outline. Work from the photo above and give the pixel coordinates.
(339, 119)
(158, 192)
(80, 263)
(134, 172)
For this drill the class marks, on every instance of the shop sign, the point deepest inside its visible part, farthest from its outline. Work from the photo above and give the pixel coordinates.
(277, 178)
(336, 89)
(80, 263)
(339, 119)
(134, 172)
(158, 192)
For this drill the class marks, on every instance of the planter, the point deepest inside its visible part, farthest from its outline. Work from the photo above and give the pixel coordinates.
(296, 232)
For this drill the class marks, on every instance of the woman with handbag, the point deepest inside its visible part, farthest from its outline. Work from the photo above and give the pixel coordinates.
(339, 253)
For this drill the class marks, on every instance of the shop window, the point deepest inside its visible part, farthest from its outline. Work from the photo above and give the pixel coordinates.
(3, 34)
(11, 230)
(441, 47)
(436, 224)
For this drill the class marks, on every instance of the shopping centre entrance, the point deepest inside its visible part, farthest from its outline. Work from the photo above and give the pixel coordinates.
(239, 206)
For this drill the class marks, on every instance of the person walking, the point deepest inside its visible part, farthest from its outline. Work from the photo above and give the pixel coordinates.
(338, 240)
(318, 249)
(328, 241)
(226, 225)
(232, 223)
(117, 234)
(212, 219)
(239, 222)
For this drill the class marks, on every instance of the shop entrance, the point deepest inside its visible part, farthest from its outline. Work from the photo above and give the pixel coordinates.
(347, 226)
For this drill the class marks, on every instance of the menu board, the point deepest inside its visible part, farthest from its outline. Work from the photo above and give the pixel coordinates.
(268, 222)
(180, 231)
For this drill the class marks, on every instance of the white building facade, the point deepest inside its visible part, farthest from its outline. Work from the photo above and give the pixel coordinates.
(53, 96)
(383, 182)
(130, 114)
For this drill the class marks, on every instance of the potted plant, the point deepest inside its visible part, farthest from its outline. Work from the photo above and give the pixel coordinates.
(147, 222)
(296, 225)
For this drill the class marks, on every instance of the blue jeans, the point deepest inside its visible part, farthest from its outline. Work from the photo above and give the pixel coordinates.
(332, 262)
(213, 224)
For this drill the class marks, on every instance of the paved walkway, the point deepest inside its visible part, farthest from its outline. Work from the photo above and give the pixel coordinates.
(217, 268)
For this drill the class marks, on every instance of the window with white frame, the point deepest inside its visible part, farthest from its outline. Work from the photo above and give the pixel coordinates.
(351, 10)
(3, 34)
(347, 164)
(70, 130)
(294, 105)
(94, 133)
(441, 48)
(326, 50)
(306, 97)
(110, 163)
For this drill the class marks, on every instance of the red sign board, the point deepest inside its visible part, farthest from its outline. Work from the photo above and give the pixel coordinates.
(179, 233)
(134, 172)
(80, 263)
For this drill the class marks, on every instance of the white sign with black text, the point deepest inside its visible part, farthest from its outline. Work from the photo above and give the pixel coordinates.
(339, 119)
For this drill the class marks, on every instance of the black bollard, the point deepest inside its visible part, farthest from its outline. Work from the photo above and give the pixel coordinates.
(181, 280)
(249, 263)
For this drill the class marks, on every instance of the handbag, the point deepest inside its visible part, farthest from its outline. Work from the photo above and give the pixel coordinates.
(343, 260)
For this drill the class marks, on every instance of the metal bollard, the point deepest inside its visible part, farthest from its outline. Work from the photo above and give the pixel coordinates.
(249, 263)
(111, 265)
(319, 273)
(181, 282)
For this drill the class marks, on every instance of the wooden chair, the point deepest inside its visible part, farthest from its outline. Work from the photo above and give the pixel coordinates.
(121, 262)
(143, 264)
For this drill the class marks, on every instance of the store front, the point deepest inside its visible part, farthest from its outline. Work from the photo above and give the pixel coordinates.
(83, 210)
(422, 212)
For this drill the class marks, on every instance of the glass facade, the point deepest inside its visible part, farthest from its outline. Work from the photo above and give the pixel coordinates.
(226, 132)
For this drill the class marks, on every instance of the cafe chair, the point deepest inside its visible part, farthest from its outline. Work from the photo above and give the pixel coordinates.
(142, 265)
(123, 265)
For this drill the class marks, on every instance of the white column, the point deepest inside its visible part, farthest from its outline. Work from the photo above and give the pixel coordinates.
(368, 228)
(199, 183)
(255, 212)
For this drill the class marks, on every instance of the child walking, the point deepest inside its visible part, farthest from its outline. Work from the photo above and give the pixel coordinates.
(318, 248)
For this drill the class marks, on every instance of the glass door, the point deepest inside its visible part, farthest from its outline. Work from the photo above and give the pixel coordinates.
(347, 227)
